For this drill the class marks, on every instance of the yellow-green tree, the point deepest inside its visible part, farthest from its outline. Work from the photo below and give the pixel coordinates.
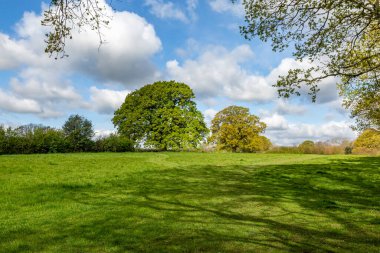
(307, 147)
(235, 129)
(367, 142)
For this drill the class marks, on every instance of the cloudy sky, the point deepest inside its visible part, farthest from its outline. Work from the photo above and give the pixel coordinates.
(192, 41)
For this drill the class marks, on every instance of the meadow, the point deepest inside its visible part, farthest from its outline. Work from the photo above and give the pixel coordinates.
(189, 202)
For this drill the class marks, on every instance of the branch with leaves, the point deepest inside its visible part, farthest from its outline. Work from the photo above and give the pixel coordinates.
(66, 16)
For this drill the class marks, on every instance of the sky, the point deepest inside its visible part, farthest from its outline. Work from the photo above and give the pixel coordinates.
(192, 41)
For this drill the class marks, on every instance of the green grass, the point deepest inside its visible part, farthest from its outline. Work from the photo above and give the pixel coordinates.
(189, 202)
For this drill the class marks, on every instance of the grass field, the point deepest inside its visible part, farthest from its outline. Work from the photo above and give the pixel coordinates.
(189, 202)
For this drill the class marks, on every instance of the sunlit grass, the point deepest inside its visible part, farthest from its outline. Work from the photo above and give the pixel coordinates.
(189, 202)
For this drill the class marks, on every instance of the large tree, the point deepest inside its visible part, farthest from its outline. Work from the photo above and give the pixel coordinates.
(235, 129)
(161, 116)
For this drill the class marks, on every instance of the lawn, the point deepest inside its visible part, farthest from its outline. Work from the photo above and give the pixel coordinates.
(189, 202)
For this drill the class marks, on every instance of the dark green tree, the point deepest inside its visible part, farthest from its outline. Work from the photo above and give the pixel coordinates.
(235, 129)
(78, 132)
(161, 116)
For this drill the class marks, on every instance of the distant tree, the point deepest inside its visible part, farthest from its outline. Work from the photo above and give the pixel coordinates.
(235, 129)
(78, 132)
(161, 116)
(2, 139)
(307, 147)
(367, 142)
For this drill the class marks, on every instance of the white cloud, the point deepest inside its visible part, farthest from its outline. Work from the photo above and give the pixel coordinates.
(99, 133)
(209, 114)
(12, 53)
(328, 90)
(125, 59)
(191, 7)
(166, 10)
(11, 103)
(223, 6)
(39, 85)
(105, 100)
(218, 72)
(281, 132)
(285, 107)
(276, 122)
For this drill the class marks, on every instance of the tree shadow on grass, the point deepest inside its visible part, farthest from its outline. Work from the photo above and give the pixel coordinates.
(332, 207)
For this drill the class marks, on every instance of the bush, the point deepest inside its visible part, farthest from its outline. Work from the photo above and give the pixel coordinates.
(114, 143)
(31, 139)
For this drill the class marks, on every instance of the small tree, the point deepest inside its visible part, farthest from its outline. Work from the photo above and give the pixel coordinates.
(78, 132)
(307, 147)
(235, 129)
(161, 116)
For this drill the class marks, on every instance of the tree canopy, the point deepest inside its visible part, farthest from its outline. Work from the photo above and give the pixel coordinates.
(367, 142)
(235, 129)
(78, 131)
(161, 116)
(341, 38)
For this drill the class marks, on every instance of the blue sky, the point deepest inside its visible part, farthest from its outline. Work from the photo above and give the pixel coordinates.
(193, 41)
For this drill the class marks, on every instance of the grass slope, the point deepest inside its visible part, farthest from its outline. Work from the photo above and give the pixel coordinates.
(189, 202)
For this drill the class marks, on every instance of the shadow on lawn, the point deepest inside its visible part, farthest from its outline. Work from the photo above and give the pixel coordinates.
(292, 208)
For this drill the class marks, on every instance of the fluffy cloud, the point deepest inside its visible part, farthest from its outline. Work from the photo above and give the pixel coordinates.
(167, 10)
(218, 72)
(328, 89)
(105, 100)
(276, 122)
(285, 107)
(124, 58)
(209, 115)
(281, 132)
(223, 6)
(11, 103)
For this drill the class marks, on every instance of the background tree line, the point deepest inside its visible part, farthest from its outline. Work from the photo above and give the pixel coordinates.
(163, 116)
(76, 135)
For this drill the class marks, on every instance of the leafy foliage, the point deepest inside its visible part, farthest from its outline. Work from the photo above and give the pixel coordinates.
(364, 103)
(235, 129)
(64, 16)
(368, 142)
(113, 143)
(78, 132)
(31, 139)
(307, 147)
(161, 116)
(334, 34)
